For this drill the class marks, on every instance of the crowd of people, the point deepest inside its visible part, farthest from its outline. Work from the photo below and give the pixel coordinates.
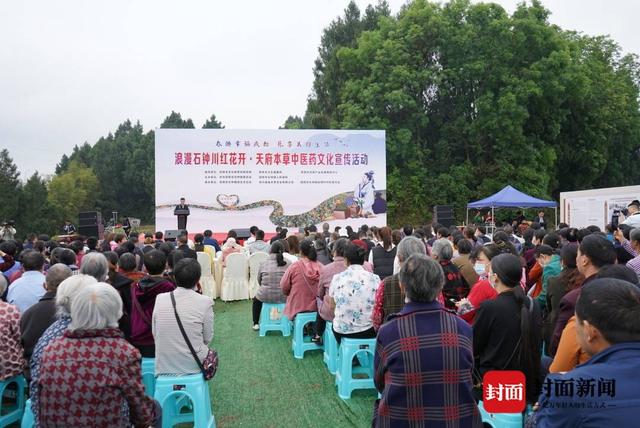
(447, 305)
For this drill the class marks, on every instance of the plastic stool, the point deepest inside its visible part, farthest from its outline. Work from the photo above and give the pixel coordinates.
(330, 349)
(28, 419)
(11, 414)
(269, 321)
(298, 344)
(364, 350)
(501, 420)
(172, 390)
(149, 375)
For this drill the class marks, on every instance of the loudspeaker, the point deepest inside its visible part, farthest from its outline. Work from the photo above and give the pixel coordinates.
(242, 233)
(91, 230)
(172, 235)
(443, 214)
(89, 218)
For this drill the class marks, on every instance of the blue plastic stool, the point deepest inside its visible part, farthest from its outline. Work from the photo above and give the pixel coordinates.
(364, 350)
(330, 349)
(298, 344)
(501, 420)
(267, 323)
(171, 391)
(149, 375)
(28, 419)
(12, 414)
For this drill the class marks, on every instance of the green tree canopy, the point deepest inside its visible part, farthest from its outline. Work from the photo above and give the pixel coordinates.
(73, 191)
(212, 123)
(9, 186)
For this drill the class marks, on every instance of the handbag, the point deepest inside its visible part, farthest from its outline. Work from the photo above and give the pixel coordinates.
(209, 366)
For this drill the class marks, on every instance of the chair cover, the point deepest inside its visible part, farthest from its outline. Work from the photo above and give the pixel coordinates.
(254, 263)
(218, 270)
(235, 281)
(206, 278)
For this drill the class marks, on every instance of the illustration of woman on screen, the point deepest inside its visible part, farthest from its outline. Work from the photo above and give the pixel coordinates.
(363, 196)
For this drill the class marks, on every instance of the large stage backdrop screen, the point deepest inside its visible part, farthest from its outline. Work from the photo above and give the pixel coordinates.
(268, 178)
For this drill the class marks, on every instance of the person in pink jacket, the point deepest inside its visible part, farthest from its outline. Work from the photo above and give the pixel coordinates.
(300, 282)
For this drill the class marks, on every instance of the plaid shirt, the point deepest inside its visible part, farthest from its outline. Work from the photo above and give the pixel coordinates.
(634, 263)
(423, 366)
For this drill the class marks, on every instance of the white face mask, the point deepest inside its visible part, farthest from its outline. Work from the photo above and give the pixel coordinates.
(480, 268)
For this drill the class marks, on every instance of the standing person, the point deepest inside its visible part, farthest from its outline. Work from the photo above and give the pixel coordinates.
(352, 295)
(126, 226)
(447, 350)
(7, 231)
(143, 300)
(633, 219)
(382, 256)
(631, 246)
(608, 330)
(182, 211)
(542, 222)
(30, 287)
(300, 282)
(195, 311)
(68, 228)
(507, 329)
(270, 274)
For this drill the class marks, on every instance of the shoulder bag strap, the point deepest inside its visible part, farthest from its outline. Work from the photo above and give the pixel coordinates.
(184, 335)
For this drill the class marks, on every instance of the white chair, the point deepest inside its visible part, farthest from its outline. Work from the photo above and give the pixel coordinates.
(235, 281)
(207, 281)
(254, 264)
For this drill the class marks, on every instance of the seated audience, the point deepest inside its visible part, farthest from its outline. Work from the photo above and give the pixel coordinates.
(294, 245)
(607, 320)
(183, 245)
(30, 287)
(209, 240)
(352, 295)
(270, 274)
(259, 244)
(195, 311)
(455, 287)
(229, 247)
(447, 350)
(128, 267)
(12, 360)
(324, 255)
(300, 282)
(327, 272)
(506, 330)
(389, 297)
(93, 343)
(463, 261)
(143, 300)
(67, 290)
(198, 243)
(39, 317)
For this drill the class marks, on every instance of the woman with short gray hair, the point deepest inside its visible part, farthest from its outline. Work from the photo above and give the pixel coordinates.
(66, 292)
(455, 286)
(112, 378)
(437, 341)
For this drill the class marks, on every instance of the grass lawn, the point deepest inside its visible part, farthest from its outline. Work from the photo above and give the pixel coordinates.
(260, 384)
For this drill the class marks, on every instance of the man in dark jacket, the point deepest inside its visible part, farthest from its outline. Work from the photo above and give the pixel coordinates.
(183, 245)
(40, 316)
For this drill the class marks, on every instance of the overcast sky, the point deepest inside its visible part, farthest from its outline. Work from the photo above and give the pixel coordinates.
(71, 71)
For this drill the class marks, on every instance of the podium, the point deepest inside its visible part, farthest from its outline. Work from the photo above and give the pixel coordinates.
(182, 214)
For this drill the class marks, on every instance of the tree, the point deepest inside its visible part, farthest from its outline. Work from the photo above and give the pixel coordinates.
(36, 214)
(473, 98)
(212, 123)
(9, 187)
(73, 191)
(174, 120)
(293, 122)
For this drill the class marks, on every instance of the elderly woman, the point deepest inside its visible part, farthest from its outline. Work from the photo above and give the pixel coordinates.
(65, 294)
(455, 286)
(270, 274)
(300, 282)
(352, 294)
(448, 349)
(173, 356)
(229, 247)
(11, 358)
(93, 345)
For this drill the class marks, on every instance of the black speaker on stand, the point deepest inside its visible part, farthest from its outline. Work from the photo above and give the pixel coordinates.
(90, 224)
(443, 214)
